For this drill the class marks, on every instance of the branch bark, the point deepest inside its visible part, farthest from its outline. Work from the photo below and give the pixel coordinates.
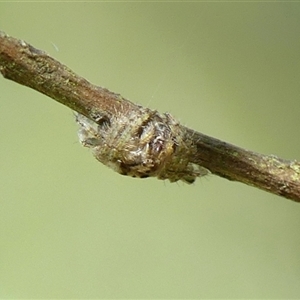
(137, 141)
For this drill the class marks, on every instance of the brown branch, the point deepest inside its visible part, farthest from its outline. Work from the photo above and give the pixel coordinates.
(137, 141)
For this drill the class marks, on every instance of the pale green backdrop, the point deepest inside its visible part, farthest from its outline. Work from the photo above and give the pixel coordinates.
(72, 228)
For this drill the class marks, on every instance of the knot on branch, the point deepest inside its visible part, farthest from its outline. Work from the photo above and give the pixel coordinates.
(142, 143)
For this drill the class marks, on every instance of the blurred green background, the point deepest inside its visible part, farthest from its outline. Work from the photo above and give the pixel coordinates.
(72, 228)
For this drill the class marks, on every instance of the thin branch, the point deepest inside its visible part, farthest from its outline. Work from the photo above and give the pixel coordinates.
(137, 141)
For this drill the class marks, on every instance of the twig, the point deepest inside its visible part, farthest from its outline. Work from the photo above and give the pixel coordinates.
(137, 141)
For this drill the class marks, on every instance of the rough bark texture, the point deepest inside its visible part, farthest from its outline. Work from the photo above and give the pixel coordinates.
(137, 141)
